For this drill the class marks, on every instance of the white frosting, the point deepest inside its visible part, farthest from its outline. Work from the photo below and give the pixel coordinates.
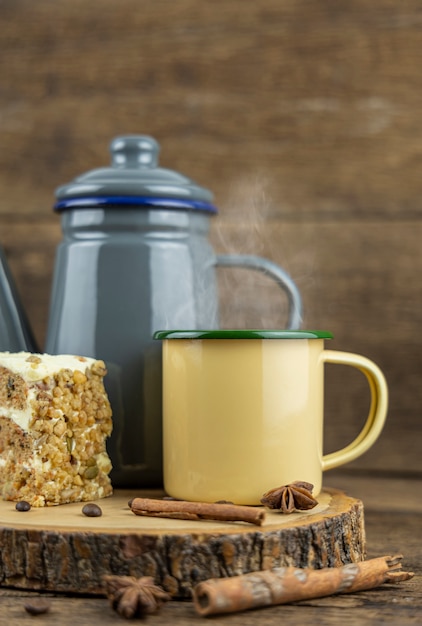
(31, 371)
(21, 417)
(18, 363)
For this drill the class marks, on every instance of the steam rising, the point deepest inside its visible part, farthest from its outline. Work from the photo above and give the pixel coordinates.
(248, 298)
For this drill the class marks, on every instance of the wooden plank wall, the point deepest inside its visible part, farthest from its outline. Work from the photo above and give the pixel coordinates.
(304, 118)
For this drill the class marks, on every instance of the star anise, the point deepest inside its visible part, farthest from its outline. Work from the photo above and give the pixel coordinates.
(134, 597)
(296, 496)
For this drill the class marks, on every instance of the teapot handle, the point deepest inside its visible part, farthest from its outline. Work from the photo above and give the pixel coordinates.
(15, 331)
(273, 271)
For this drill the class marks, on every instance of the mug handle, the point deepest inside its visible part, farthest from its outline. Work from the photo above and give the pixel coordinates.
(377, 411)
(273, 271)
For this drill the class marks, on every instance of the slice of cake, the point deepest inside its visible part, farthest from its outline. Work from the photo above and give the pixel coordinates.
(54, 420)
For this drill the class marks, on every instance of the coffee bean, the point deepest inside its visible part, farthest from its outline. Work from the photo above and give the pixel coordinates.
(37, 607)
(92, 510)
(22, 505)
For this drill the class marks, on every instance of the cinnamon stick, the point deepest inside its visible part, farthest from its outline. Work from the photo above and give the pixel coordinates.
(182, 509)
(290, 584)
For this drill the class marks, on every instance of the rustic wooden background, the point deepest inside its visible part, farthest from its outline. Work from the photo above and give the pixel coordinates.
(303, 117)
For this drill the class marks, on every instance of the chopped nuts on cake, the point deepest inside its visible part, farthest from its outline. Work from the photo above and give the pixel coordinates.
(55, 417)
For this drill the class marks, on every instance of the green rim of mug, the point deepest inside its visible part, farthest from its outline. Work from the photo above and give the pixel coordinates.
(242, 334)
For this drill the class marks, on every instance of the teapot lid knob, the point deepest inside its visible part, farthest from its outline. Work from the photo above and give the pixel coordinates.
(134, 152)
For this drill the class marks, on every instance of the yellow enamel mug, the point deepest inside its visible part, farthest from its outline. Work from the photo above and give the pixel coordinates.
(243, 411)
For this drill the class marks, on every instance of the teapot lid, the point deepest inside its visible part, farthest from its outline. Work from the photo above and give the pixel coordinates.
(134, 179)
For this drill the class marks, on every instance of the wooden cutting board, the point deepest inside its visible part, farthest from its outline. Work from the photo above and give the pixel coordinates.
(60, 549)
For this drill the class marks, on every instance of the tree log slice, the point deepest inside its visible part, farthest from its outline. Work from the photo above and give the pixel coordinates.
(60, 549)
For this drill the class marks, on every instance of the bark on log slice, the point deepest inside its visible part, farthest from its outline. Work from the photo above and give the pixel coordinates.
(60, 549)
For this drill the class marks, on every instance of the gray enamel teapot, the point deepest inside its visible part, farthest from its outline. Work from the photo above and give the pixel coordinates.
(135, 258)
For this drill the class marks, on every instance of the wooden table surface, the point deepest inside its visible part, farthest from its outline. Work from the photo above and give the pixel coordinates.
(393, 519)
